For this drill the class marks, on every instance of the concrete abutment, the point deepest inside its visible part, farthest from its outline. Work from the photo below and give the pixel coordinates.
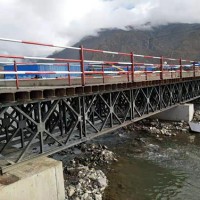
(182, 112)
(41, 179)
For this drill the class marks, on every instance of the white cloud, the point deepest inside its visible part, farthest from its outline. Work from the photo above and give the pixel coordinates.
(67, 21)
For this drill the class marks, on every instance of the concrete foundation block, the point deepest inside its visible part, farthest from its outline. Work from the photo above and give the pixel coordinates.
(181, 112)
(41, 179)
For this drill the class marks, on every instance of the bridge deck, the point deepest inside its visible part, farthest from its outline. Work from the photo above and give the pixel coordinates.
(45, 88)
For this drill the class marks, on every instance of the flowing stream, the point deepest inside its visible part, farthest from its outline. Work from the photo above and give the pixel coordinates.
(167, 169)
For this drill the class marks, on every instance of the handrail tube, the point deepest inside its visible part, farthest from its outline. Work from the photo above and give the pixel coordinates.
(107, 52)
(38, 58)
(106, 62)
(38, 43)
(146, 56)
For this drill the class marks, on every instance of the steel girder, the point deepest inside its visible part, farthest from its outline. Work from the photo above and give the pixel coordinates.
(42, 128)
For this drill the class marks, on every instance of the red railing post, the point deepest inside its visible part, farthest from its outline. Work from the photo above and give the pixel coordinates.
(127, 68)
(82, 65)
(146, 73)
(132, 66)
(194, 69)
(161, 68)
(103, 74)
(171, 72)
(181, 68)
(16, 75)
(69, 77)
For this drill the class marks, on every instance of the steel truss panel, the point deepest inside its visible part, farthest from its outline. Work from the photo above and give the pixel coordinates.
(45, 127)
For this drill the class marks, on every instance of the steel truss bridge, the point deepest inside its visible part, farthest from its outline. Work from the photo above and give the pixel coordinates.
(39, 117)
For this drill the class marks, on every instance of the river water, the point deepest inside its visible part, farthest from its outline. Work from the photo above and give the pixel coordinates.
(167, 169)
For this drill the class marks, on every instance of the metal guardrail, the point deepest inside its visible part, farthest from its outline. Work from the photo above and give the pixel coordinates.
(161, 69)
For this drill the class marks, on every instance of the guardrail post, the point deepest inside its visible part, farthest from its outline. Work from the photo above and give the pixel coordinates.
(69, 77)
(16, 75)
(132, 66)
(194, 69)
(82, 65)
(103, 74)
(172, 72)
(127, 68)
(161, 68)
(181, 68)
(145, 72)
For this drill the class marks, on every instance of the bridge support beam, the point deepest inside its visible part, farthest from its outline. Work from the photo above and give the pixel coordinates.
(36, 180)
(46, 126)
(181, 112)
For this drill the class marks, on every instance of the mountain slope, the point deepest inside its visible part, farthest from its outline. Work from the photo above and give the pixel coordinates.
(173, 40)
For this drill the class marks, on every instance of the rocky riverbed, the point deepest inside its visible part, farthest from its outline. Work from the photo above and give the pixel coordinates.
(85, 183)
(84, 178)
(86, 166)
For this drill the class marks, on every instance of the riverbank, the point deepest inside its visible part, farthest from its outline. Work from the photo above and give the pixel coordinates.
(84, 180)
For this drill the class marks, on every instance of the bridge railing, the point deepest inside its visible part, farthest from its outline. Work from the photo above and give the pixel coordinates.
(127, 67)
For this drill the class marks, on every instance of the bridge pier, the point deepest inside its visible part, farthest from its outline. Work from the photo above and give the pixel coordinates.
(36, 180)
(182, 112)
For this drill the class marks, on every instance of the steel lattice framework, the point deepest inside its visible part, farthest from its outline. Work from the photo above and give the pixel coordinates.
(43, 127)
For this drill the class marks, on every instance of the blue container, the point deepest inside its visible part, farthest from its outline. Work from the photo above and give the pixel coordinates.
(20, 68)
(150, 68)
(75, 68)
(36, 67)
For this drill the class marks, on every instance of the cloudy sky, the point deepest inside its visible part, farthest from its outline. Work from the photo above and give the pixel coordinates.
(67, 21)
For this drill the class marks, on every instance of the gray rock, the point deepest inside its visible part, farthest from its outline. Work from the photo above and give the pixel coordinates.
(78, 186)
(76, 198)
(85, 195)
(107, 155)
(90, 186)
(102, 182)
(163, 131)
(77, 151)
(98, 197)
(71, 190)
(192, 138)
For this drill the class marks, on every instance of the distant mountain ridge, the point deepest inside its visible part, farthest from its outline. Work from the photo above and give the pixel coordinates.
(173, 40)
